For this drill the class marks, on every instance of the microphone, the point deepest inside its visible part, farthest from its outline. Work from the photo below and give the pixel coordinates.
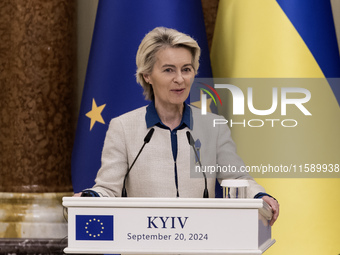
(147, 139)
(192, 144)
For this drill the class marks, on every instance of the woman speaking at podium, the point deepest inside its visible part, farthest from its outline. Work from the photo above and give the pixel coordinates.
(150, 152)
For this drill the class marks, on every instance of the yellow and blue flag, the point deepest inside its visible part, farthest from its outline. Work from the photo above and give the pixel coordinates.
(110, 86)
(294, 43)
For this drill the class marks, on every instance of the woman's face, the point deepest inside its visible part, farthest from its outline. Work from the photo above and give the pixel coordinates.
(171, 76)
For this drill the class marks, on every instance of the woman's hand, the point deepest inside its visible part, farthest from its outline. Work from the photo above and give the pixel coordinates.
(275, 207)
(77, 194)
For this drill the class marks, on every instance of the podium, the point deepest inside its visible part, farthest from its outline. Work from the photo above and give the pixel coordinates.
(167, 226)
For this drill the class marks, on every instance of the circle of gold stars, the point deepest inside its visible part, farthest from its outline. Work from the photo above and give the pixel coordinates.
(96, 234)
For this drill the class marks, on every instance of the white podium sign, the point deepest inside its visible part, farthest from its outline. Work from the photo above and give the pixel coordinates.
(167, 226)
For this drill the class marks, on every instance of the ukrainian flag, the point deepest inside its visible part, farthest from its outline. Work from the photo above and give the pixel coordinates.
(288, 39)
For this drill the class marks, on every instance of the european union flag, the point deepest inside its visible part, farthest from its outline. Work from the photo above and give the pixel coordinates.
(94, 227)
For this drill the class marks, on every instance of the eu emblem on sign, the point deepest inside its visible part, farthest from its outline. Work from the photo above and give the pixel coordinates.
(94, 227)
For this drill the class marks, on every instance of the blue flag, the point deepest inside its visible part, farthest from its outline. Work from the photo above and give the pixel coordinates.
(94, 227)
(110, 86)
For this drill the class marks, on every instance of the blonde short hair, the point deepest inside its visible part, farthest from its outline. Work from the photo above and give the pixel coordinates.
(159, 38)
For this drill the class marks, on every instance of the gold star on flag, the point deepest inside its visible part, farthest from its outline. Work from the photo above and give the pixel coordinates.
(198, 104)
(95, 114)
